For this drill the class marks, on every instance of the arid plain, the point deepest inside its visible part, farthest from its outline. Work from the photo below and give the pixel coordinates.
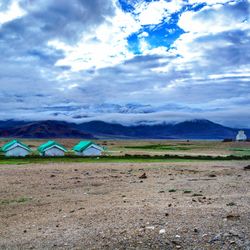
(165, 204)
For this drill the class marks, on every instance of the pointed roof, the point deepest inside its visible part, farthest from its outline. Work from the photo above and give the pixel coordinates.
(82, 145)
(10, 144)
(49, 144)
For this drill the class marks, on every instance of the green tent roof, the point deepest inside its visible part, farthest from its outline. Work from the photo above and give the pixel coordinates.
(82, 145)
(8, 145)
(49, 144)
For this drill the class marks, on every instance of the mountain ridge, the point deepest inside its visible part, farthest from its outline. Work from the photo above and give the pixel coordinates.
(190, 129)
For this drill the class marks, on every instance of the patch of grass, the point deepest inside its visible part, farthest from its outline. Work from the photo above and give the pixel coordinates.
(160, 147)
(195, 194)
(239, 149)
(33, 159)
(172, 190)
(13, 201)
(187, 191)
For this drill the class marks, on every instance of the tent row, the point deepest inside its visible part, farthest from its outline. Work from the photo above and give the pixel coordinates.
(51, 148)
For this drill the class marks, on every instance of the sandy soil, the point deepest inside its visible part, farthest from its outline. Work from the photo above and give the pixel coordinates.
(107, 206)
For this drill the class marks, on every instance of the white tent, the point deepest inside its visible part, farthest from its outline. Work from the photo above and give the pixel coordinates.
(15, 149)
(241, 136)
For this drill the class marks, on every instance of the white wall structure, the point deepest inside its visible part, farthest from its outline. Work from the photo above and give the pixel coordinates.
(17, 151)
(53, 151)
(241, 136)
(92, 150)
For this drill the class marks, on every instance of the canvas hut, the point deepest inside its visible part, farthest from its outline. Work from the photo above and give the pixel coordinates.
(241, 136)
(15, 149)
(88, 148)
(51, 148)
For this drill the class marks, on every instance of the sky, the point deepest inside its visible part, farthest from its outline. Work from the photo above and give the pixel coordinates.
(125, 61)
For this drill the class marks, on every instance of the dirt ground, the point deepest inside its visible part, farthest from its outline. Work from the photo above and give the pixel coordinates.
(107, 206)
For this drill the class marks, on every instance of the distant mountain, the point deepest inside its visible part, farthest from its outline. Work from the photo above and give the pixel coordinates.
(41, 129)
(194, 129)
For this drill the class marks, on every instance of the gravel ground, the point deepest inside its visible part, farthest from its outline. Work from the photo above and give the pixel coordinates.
(107, 206)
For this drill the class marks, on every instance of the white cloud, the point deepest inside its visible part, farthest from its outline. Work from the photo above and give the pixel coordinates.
(214, 19)
(14, 11)
(155, 12)
(105, 46)
(209, 2)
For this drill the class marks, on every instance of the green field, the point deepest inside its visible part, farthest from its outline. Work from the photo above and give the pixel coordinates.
(125, 158)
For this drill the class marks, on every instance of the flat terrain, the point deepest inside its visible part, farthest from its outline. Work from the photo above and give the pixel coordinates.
(180, 205)
(155, 147)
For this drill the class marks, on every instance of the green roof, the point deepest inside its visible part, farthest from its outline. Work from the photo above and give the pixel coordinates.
(8, 145)
(50, 144)
(82, 145)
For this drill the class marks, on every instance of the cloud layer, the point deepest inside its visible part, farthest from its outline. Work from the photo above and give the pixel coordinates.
(125, 61)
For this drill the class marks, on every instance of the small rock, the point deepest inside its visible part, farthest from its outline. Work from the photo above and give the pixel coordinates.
(166, 214)
(233, 216)
(161, 191)
(234, 233)
(247, 167)
(196, 230)
(169, 205)
(72, 211)
(215, 238)
(212, 175)
(25, 231)
(177, 236)
(162, 231)
(178, 246)
(175, 242)
(231, 204)
(52, 176)
(143, 176)
(150, 227)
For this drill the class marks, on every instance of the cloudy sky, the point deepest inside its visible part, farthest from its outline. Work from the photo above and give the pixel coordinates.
(126, 61)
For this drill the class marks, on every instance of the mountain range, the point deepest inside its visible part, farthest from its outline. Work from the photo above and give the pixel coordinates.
(193, 129)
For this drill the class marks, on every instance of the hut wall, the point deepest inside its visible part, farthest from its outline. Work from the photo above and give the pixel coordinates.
(54, 152)
(17, 152)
